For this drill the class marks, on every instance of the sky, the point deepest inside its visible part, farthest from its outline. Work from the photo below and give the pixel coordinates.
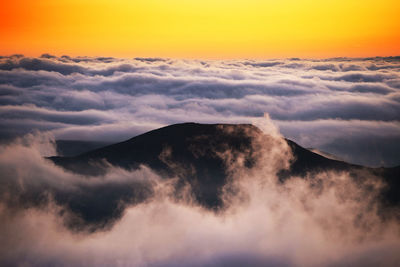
(201, 29)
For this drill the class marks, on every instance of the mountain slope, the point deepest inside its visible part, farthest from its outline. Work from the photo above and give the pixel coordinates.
(187, 150)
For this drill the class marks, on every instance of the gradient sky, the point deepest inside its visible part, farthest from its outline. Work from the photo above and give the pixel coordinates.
(201, 29)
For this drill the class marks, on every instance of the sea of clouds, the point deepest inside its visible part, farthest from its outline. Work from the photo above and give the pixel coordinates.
(347, 107)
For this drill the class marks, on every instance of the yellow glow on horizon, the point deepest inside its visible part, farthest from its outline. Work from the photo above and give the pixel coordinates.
(202, 29)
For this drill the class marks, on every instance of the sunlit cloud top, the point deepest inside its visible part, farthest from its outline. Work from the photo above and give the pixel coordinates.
(201, 29)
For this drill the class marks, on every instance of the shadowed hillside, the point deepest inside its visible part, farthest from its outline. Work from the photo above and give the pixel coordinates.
(192, 153)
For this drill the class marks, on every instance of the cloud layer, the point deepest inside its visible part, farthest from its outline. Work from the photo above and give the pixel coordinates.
(347, 107)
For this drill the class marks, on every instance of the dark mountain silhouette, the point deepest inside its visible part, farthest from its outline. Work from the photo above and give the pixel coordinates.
(191, 152)
(70, 148)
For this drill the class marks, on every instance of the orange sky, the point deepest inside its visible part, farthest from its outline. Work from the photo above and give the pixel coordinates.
(201, 28)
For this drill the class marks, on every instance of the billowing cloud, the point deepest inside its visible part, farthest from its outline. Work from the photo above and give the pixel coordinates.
(326, 219)
(111, 99)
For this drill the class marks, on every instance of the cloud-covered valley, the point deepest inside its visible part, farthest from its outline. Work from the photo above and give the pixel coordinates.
(346, 107)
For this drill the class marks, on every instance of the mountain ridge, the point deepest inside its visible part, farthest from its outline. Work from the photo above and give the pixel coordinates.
(190, 151)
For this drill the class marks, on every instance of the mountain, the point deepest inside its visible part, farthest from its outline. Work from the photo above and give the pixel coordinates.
(187, 150)
(192, 152)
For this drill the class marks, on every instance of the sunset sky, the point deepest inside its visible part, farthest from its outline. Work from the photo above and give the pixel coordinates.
(201, 29)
